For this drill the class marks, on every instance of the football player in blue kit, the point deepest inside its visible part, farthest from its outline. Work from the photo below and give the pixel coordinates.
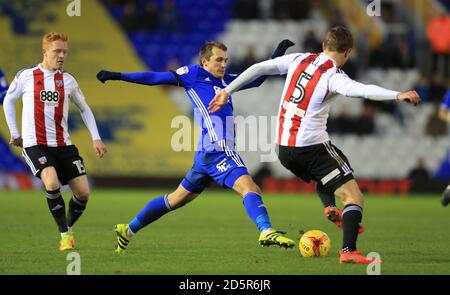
(215, 158)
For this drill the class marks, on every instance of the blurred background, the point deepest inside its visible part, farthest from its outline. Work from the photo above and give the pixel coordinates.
(399, 44)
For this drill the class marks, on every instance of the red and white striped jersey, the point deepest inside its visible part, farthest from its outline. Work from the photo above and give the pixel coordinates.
(303, 109)
(45, 98)
(305, 102)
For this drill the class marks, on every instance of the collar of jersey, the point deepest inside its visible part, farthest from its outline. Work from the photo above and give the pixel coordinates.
(41, 67)
(210, 75)
(334, 62)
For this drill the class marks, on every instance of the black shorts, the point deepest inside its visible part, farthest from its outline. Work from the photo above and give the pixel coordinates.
(323, 163)
(66, 161)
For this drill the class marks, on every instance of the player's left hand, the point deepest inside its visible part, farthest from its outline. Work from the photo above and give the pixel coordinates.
(282, 47)
(100, 148)
(219, 100)
(410, 97)
(103, 76)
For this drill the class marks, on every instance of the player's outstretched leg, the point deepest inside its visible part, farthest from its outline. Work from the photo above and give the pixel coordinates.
(445, 199)
(257, 211)
(151, 212)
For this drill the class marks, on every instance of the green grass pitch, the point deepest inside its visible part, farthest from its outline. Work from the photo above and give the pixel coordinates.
(213, 235)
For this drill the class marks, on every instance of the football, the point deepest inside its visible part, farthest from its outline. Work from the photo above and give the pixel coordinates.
(314, 243)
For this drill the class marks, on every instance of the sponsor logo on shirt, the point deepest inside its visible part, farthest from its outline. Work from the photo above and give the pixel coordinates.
(50, 98)
(182, 71)
(59, 83)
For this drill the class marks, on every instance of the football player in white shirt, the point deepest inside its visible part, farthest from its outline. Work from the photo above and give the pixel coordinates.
(46, 90)
(304, 145)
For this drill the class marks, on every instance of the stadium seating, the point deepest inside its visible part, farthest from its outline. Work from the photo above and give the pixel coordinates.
(158, 47)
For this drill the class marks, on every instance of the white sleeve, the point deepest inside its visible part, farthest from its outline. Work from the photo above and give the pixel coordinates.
(14, 92)
(342, 84)
(276, 66)
(86, 113)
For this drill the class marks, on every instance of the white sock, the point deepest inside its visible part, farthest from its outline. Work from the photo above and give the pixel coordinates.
(268, 230)
(130, 233)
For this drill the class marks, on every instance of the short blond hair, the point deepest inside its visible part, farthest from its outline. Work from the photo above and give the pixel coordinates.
(338, 39)
(53, 36)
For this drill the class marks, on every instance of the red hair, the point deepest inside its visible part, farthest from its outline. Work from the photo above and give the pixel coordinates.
(53, 36)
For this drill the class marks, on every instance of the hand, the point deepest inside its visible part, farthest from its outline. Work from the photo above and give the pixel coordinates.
(100, 148)
(410, 97)
(16, 141)
(106, 75)
(282, 47)
(219, 100)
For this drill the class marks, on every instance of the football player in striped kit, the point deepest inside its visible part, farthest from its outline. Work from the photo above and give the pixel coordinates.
(46, 90)
(304, 145)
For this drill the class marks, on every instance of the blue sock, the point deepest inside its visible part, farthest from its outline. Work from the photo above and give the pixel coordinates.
(257, 211)
(151, 212)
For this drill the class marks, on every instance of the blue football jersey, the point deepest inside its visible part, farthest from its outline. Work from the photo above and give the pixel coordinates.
(218, 131)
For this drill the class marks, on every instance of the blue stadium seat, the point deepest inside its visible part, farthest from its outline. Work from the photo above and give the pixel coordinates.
(158, 48)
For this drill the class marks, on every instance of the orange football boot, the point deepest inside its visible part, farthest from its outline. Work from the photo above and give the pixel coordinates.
(334, 215)
(356, 257)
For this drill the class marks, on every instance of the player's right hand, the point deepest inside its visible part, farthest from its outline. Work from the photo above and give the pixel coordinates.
(410, 97)
(16, 141)
(107, 75)
(219, 100)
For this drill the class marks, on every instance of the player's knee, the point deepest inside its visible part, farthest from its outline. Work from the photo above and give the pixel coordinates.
(348, 197)
(179, 200)
(252, 188)
(83, 195)
(51, 185)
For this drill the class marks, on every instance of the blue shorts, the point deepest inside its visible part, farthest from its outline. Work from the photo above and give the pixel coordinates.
(222, 167)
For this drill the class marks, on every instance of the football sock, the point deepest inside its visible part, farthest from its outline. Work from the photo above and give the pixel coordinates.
(325, 196)
(257, 211)
(151, 212)
(57, 208)
(351, 218)
(76, 208)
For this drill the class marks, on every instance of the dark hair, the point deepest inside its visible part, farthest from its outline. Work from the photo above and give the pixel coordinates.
(338, 39)
(206, 50)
